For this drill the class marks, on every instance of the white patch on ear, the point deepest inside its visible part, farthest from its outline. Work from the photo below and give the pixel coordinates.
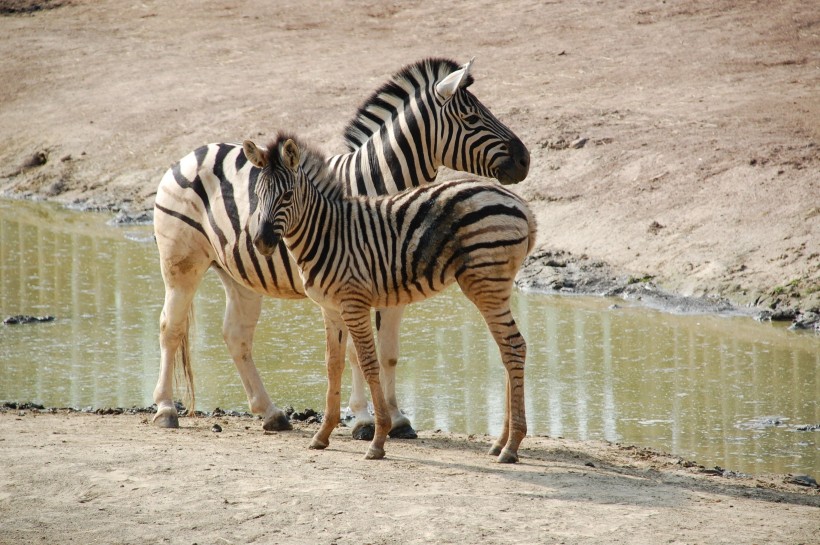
(290, 155)
(449, 85)
(255, 155)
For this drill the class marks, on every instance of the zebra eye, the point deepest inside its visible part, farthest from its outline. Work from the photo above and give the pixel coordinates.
(471, 119)
(287, 196)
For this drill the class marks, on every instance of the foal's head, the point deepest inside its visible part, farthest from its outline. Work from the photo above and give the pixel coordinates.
(274, 188)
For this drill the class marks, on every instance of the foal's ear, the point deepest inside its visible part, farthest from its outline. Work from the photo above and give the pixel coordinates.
(290, 155)
(256, 156)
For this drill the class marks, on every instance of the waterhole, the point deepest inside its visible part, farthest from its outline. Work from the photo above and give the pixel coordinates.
(717, 390)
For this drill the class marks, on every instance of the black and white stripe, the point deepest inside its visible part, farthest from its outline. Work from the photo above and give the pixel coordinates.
(358, 253)
(423, 118)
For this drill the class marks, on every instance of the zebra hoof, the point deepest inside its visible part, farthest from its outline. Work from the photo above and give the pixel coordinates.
(278, 422)
(166, 419)
(374, 453)
(364, 432)
(402, 432)
(495, 450)
(507, 457)
(317, 444)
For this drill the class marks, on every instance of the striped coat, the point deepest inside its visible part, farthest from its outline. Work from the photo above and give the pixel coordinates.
(358, 253)
(424, 117)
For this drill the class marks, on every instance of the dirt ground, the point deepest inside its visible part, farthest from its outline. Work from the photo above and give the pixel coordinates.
(83, 478)
(673, 142)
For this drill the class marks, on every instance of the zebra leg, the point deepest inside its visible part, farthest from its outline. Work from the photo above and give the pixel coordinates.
(494, 305)
(513, 354)
(357, 320)
(387, 325)
(335, 341)
(242, 310)
(364, 426)
(387, 338)
(182, 278)
(499, 443)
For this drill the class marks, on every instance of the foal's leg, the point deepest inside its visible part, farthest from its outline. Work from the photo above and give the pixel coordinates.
(513, 354)
(242, 309)
(364, 424)
(494, 305)
(387, 339)
(357, 320)
(335, 340)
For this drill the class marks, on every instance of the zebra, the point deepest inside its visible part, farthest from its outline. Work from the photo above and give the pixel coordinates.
(421, 118)
(358, 253)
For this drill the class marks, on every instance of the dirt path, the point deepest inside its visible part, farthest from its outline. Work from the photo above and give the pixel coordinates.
(79, 478)
(696, 124)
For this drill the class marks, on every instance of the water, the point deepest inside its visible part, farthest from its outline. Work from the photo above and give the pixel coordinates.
(719, 390)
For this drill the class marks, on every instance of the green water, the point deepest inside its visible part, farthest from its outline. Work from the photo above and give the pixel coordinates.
(707, 388)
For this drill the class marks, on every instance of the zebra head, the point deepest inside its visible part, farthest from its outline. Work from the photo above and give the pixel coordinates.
(471, 137)
(274, 189)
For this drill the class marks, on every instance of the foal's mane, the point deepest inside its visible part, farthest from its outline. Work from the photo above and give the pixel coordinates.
(311, 160)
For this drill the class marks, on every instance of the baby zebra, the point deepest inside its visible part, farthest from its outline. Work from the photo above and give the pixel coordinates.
(357, 253)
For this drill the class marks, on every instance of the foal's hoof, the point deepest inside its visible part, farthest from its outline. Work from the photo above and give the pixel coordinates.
(402, 432)
(364, 432)
(166, 419)
(317, 444)
(278, 422)
(374, 453)
(507, 457)
(495, 450)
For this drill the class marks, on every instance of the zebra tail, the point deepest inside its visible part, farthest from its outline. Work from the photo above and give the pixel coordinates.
(182, 364)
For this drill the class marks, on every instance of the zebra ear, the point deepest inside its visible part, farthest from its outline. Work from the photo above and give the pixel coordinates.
(452, 83)
(290, 155)
(255, 155)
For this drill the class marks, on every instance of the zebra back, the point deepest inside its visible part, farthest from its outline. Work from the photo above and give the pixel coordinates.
(389, 250)
(396, 139)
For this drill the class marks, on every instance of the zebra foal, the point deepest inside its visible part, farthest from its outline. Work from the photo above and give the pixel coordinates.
(357, 253)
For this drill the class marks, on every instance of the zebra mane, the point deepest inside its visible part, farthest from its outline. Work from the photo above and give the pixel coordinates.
(380, 107)
(311, 160)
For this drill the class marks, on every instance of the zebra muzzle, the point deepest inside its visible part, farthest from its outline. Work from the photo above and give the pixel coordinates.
(517, 165)
(267, 238)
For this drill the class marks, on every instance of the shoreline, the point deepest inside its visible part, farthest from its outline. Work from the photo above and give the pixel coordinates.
(550, 271)
(309, 419)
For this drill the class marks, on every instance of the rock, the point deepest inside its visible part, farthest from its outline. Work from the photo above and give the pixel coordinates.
(26, 319)
(308, 415)
(808, 427)
(125, 218)
(803, 480)
(806, 320)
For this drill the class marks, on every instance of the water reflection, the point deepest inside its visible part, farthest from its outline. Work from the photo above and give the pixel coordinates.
(722, 391)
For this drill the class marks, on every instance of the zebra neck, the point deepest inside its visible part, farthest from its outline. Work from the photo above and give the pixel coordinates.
(316, 212)
(389, 162)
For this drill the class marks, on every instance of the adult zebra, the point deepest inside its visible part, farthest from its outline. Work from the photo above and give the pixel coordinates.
(422, 118)
(354, 254)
